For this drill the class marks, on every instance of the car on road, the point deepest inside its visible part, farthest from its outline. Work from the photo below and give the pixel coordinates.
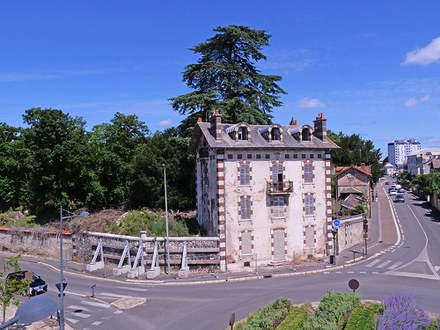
(400, 198)
(36, 283)
(387, 183)
(392, 191)
(401, 190)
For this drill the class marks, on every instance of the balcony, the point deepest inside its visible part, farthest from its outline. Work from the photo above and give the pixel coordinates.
(279, 188)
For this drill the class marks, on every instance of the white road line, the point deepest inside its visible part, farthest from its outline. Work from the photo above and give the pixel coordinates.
(350, 272)
(132, 289)
(371, 264)
(96, 304)
(81, 315)
(395, 265)
(113, 295)
(338, 272)
(383, 264)
(72, 320)
(362, 272)
(117, 312)
(96, 323)
(437, 268)
(327, 273)
(78, 307)
(375, 273)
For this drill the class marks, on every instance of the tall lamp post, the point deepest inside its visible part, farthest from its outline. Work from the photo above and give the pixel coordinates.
(62, 283)
(166, 217)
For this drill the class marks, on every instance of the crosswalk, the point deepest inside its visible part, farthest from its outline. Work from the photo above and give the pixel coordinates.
(86, 308)
(381, 265)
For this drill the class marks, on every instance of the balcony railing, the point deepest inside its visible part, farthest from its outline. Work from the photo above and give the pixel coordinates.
(279, 188)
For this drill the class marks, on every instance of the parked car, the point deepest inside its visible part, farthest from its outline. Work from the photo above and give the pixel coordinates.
(392, 191)
(36, 285)
(387, 183)
(400, 198)
(401, 190)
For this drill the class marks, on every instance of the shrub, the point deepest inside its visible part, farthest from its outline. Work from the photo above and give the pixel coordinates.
(364, 316)
(294, 320)
(269, 316)
(400, 312)
(332, 311)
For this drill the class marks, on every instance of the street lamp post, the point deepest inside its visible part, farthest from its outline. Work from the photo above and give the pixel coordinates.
(62, 283)
(166, 218)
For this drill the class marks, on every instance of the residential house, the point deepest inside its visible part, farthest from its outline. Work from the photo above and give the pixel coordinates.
(419, 162)
(264, 190)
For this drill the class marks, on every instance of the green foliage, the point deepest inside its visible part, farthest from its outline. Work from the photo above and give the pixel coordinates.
(269, 316)
(11, 288)
(153, 222)
(356, 151)
(427, 183)
(332, 311)
(364, 316)
(294, 320)
(360, 208)
(226, 78)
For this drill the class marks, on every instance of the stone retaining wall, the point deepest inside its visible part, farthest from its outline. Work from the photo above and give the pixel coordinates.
(350, 232)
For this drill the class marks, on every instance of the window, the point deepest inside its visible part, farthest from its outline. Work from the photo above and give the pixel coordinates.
(308, 204)
(276, 134)
(245, 174)
(306, 136)
(277, 176)
(278, 207)
(242, 133)
(245, 207)
(309, 234)
(246, 242)
(308, 172)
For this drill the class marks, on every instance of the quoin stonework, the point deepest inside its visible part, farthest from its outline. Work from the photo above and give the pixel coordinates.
(264, 190)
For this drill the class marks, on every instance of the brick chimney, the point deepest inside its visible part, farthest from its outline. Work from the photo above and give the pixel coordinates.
(216, 123)
(320, 126)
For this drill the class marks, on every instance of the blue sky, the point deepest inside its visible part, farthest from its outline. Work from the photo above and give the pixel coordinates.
(372, 67)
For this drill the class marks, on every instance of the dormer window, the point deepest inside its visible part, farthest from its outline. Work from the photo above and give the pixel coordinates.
(276, 134)
(242, 133)
(306, 135)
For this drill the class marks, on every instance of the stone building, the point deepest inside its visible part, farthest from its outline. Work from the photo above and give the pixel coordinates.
(353, 186)
(264, 190)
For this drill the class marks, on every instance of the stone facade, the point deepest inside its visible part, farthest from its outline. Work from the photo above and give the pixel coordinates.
(264, 190)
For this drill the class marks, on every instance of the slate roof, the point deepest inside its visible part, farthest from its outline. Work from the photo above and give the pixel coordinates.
(256, 139)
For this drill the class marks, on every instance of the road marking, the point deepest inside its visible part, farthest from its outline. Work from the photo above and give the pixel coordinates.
(117, 312)
(338, 272)
(132, 289)
(383, 264)
(437, 268)
(362, 272)
(375, 273)
(113, 295)
(397, 264)
(72, 320)
(327, 273)
(96, 323)
(96, 304)
(350, 272)
(371, 264)
(81, 315)
(78, 307)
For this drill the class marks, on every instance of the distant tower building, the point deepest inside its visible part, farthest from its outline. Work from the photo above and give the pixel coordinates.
(398, 150)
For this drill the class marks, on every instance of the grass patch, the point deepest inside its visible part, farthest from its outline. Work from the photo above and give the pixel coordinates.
(294, 320)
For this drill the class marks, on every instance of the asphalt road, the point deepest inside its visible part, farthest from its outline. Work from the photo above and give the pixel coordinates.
(411, 265)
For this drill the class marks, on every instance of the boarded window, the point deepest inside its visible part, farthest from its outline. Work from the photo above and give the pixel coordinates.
(278, 207)
(310, 237)
(245, 208)
(276, 134)
(278, 245)
(308, 204)
(244, 174)
(308, 172)
(246, 242)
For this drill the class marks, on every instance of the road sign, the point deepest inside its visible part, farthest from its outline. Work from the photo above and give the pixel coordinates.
(58, 285)
(336, 223)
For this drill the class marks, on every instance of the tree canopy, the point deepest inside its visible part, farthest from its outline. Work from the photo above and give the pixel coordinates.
(226, 78)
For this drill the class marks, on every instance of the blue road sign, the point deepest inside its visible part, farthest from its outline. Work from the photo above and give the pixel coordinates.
(336, 223)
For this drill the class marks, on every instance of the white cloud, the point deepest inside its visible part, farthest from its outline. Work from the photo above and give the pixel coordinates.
(165, 123)
(425, 98)
(426, 55)
(307, 103)
(8, 77)
(412, 102)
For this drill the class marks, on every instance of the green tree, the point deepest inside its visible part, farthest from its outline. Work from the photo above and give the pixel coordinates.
(12, 287)
(356, 151)
(226, 78)
(427, 183)
(60, 159)
(114, 145)
(14, 168)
